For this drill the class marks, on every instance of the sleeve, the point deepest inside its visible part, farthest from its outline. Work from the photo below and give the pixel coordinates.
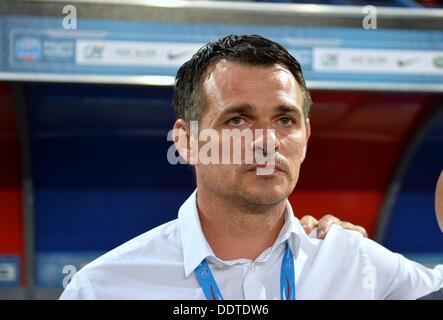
(78, 288)
(397, 277)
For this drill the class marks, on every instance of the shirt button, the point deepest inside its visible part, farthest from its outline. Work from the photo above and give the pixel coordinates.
(253, 267)
(218, 266)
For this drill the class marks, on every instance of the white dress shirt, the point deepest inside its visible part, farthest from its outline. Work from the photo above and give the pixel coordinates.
(160, 264)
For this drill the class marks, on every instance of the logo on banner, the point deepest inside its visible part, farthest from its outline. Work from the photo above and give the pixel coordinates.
(329, 60)
(407, 62)
(8, 272)
(438, 62)
(58, 50)
(93, 52)
(28, 49)
(176, 55)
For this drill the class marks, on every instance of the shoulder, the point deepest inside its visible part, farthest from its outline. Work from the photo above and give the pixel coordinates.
(162, 242)
(338, 241)
(162, 239)
(352, 244)
(141, 260)
(362, 259)
(343, 250)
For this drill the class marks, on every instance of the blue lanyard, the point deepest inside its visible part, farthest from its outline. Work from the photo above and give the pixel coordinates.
(287, 280)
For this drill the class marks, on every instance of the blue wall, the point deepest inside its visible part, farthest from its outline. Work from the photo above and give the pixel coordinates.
(413, 228)
(100, 170)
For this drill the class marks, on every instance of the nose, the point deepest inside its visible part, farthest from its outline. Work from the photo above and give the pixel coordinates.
(266, 141)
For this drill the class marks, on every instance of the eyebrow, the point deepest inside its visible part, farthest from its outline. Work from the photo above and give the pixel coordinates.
(240, 109)
(247, 109)
(289, 108)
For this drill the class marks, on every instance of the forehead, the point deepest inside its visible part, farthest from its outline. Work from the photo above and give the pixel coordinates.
(230, 83)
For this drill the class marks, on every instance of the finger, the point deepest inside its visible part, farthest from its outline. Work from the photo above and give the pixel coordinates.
(324, 224)
(362, 231)
(308, 223)
(353, 227)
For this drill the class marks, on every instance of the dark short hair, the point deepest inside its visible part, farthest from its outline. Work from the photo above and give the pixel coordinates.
(247, 49)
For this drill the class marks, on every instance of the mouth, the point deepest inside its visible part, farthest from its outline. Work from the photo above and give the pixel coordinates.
(276, 167)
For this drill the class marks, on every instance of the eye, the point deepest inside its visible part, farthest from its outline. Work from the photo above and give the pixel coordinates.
(287, 121)
(236, 121)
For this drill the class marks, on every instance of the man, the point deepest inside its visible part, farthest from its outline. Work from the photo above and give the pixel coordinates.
(236, 237)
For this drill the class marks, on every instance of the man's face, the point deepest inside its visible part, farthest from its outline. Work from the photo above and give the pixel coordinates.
(238, 96)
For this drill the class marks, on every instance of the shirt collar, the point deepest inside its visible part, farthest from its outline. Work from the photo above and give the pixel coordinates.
(196, 248)
(291, 231)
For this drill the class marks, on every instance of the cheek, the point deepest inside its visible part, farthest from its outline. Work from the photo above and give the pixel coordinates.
(209, 173)
(293, 147)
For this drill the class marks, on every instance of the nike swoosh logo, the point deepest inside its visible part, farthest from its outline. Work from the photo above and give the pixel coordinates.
(407, 62)
(173, 56)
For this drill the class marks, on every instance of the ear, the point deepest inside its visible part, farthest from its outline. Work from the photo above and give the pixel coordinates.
(439, 201)
(308, 134)
(184, 141)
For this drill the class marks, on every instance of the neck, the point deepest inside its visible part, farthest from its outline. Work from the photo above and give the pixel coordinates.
(238, 231)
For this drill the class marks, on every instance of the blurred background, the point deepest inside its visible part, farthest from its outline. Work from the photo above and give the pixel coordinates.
(85, 108)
